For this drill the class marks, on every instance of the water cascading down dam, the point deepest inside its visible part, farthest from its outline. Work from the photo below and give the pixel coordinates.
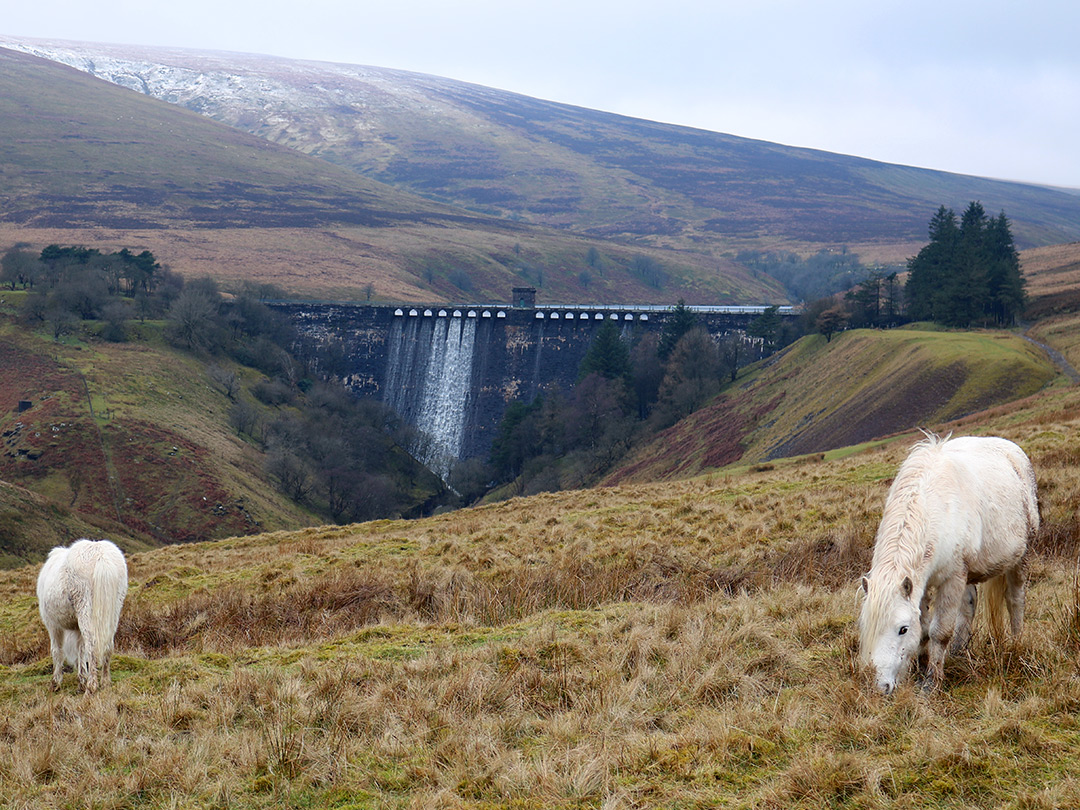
(451, 371)
(429, 383)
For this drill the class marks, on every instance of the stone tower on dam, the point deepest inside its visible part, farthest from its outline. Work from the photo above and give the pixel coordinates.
(451, 370)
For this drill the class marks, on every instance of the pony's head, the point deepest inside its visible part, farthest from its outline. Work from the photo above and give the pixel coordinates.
(889, 630)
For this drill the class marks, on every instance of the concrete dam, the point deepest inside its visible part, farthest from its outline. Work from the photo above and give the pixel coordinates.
(451, 370)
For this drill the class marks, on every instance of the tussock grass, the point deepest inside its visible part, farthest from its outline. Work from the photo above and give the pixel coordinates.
(688, 644)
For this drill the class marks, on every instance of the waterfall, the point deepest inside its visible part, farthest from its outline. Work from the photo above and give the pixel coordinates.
(429, 384)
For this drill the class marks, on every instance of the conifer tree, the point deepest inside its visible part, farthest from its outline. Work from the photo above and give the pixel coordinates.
(929, 270)
(865, 301)
(965, 287)
(682, 320)
(1004, 282)
(607, 356)
(969, 273)
(766, 326)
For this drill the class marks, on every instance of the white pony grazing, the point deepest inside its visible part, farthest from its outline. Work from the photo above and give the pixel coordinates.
(80, 592)
(960, 511)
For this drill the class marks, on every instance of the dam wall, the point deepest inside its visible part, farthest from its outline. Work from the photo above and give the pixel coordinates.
(451, 370)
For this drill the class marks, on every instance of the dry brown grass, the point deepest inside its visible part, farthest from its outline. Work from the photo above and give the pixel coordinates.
(690, 644)
(749, 701)
(339, 262)
(1051, 270)
(307, 262)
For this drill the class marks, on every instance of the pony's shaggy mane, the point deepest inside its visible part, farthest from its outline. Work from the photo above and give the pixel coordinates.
(900, 549)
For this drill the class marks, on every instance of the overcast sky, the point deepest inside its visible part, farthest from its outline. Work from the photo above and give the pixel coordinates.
(990, 88)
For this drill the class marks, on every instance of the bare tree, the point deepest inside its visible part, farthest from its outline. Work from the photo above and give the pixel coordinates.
(193, 320)
(291, 473)
(244, 417)
(732, 353)
(226, 378)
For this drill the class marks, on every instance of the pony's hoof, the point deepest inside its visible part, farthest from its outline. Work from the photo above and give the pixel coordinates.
(54, 686)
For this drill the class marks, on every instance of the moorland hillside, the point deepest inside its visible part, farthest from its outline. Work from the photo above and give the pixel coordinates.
(864, 384)
(155, 437)
(86, 162)
(552, 164)
(1052, 274)
(31, 525)
(688, 643)
(133, 434)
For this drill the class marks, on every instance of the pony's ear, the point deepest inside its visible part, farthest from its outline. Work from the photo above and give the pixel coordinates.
(906, 587)
(865, 585)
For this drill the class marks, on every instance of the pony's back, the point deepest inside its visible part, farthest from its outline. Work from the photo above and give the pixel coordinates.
(993, 458)
(987, 470)
(81, 591)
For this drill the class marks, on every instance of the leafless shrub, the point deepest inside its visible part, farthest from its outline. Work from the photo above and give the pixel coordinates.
(226, 378)
(832, 561)
(232, 618)
(244, 417)
(1058, 539)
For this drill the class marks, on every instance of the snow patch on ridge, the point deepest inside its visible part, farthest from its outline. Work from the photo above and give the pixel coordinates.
(239, 89)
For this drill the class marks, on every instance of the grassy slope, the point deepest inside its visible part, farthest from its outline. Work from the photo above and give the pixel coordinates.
(133, 434)
(670, 645)
(1063, 333)
(82, 152)
(678, 644)
(86, 162)
(816, 396)
(30, 525)
(1053, 279)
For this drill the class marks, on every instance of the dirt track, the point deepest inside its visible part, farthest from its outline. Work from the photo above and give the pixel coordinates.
(1057, 358)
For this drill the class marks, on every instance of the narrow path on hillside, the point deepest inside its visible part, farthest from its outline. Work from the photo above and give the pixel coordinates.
(1057, 358)
(110, 471)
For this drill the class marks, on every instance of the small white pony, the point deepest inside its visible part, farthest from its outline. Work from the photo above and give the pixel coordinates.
(960, 511)
(80, 592)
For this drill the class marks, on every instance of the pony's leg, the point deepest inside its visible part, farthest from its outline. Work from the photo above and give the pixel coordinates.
(922, 661)
(88, 664)
(942, 626)
(56, 647)
(82, 669)
(106, 664)
(1015, 598)
(965, 619)
(91, 684)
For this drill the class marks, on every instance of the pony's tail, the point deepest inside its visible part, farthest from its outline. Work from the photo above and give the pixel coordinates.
(108, 589)
(993, 600)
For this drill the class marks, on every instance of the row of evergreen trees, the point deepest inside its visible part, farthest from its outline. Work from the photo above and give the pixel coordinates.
(969, 273)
